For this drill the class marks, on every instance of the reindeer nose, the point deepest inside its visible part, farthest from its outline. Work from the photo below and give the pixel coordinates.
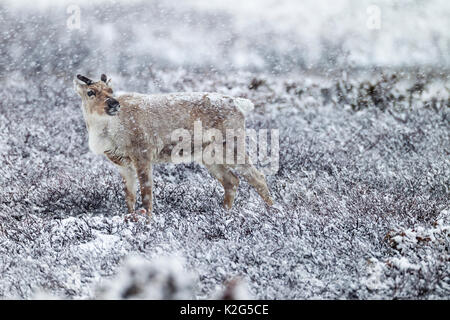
(112, 106)
(112, 102)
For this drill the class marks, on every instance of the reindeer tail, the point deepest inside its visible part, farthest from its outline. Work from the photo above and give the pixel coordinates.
(244, 105)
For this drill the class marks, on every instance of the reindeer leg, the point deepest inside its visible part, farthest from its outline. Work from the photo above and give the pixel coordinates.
(129, 178)
(229, 181)
(255, 178)
(144, 173)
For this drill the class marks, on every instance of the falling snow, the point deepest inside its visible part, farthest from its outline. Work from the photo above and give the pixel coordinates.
(361, 195)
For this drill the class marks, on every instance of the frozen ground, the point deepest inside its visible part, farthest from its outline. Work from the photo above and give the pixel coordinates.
(361, 195)
(362, 192)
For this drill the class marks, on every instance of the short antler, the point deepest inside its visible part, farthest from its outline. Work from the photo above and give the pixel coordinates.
(84, 79)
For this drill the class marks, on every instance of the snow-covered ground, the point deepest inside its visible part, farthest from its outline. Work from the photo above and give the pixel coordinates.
(362, 192)
(361, 197)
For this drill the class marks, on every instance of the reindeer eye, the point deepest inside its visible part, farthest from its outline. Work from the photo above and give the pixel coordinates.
(90, 93)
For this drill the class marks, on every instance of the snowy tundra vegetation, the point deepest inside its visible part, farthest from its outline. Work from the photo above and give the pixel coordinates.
(361, 195)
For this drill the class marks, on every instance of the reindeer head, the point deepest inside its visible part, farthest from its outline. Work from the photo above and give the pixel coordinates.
(97, 96)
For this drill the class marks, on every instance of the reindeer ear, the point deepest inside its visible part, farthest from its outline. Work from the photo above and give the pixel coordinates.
(103, 78)
(108, 82)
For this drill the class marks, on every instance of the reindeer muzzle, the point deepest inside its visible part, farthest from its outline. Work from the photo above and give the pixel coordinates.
(112, 106)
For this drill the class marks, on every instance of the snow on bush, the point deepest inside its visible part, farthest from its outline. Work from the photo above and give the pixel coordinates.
(355, 174)
(164, 278)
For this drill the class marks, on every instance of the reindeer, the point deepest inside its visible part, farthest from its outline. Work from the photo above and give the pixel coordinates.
(134, 131)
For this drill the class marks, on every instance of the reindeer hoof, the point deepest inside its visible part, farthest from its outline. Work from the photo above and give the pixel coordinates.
(131, 217)
(227, 205)
(137, 215)
(146, 214)
(228, 200)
